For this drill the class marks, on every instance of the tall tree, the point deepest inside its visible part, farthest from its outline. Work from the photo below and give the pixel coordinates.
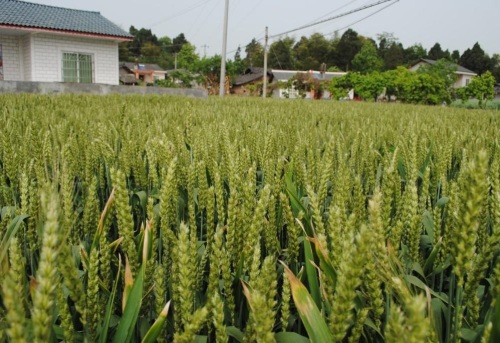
(254, 54)
(281, 55)
(496, 67)
(348, 46)
(436, 52)
(187, 58)
(311, 52)
(394, 56)
(178, 42)
(476, 60)
(413, 53)
(367, 60)
(237, 54)
(141, 37)
(150, 53)
(455, 56)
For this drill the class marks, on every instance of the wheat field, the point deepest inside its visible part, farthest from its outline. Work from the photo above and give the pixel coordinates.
(143, 219)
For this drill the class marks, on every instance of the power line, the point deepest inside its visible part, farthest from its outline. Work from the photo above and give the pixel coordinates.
(332, 18)
(181, 12)
(364, 18)
(333, 11)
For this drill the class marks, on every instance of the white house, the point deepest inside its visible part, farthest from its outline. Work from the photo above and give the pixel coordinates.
(54, 44)
(464, 75)
(282, 76)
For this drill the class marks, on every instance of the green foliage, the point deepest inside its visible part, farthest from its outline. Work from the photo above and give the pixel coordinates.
(481, 88)
(442, 69)
(367, 60)
(187, 58)
(431, 86)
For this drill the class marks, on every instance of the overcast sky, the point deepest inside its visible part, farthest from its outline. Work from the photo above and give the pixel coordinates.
(455, 24)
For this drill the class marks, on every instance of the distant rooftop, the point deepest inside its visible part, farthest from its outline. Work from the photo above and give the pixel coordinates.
(460, 69)
(14, 13)
(142, 66)
(285, 75)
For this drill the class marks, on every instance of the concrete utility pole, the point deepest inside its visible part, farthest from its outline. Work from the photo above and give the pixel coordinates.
(205, 50)
(223, 55)
(264, 87)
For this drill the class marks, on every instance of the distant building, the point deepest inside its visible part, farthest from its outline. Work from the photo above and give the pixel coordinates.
(54, 44)
(464, 75)
(281, 77)
(277, 80)
(148, 73)
(243, 84)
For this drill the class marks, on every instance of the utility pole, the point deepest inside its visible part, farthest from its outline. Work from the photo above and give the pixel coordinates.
(205, 50)
(175, 60)
(222, 87)
(264, 87)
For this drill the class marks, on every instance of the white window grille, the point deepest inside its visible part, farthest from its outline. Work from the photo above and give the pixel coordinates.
(77, 67)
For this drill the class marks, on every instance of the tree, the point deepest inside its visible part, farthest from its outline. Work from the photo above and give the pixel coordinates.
(394, 56)
(476, 60)
(367, 59)
(436, 53)
(496, 66)
(281, 55)
(481, 88)
(237, 54)
(178, 43)
(141, 37)
(254, 54)
(442, 69)
(312, 52)
(150, 53)
(414, 53)
(348, 46)
(455, 56)
(187, 57)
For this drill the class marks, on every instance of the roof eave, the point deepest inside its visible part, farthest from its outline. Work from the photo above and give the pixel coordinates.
(68, 32)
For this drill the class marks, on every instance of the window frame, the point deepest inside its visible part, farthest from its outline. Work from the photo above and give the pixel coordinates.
(78, 59)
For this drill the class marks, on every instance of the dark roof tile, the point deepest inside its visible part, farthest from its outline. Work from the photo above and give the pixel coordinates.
(27, 14)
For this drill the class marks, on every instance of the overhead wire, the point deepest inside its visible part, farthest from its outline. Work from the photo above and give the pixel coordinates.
(331, 18)
(364, 18)
(181, 12)
(333, 11)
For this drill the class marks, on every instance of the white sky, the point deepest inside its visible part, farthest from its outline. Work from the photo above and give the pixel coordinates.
(455, 24)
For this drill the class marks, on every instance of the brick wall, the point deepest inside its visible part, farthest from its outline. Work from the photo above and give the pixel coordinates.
(47, 57)
(11, 58)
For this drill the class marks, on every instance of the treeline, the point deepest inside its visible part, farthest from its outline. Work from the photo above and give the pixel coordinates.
(353, 52)
(348, 52)
(429, 85)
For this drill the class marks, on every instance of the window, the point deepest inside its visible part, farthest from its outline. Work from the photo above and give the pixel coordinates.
(467, 81)
(1, 63)
(77, 67)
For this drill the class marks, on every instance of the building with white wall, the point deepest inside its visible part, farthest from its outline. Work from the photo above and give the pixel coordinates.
(54, 44)
(464, 75)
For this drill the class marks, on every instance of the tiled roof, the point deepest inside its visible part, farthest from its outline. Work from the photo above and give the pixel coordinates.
(146, 66)
(460, 69)
(250, 74)
(31, 15)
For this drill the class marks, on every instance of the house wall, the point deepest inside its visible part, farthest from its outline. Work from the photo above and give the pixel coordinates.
(47, 50)
(462, 80)
(11, 52)
(159, 75)
(25, 43)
